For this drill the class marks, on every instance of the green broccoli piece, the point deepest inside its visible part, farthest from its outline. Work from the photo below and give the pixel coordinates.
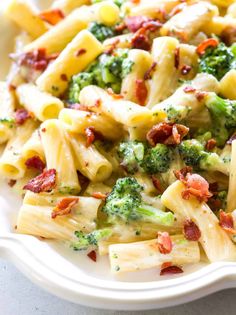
(176, 113)
(86, 241)
(101, 31)
(106, 72)
(217, 61)
(125, 203)
(132, 154)
(223, 113)
(157, 159)
(193, 154)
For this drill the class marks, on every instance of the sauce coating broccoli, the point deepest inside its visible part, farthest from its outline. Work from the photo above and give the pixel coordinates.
(86, 241)
(101, 31)
(217, 61)
(138, 156)
(125, 203)
(106, 72)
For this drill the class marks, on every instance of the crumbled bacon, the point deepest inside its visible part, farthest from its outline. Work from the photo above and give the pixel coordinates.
(52, 16)
(119, 28)
(185, 69)
(64, 206)
(166, 133)
(135, 1)
(64, 77)
(189, 89)
(177, 57)
(80, 52)
(141, 91)
(45, 182)
(231, 139)
(200, 95)
(134, 23)
(92, 255)
(196, 186)
(210, 145)
(12, 182)
(227, 222)
(171, 270)
(164, 243)
(21, 115)
(210, 42)
(35, 162)
(157, 184)
(181, 174)
(148, 73)
(228, 35)
(112, 47)
(92, 135)
(99, 195)
(140, 41)
(191, 231)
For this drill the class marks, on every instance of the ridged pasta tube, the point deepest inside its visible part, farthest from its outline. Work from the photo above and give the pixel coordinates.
(7, 106)
(12, 163)
(227, 85)
(89, 161)
(59, 156)
(83, 49)
(214, 240)
(145, 255)
(43, 105)
(33, 147)
(77, 121)
(231, 200)
(25, 15)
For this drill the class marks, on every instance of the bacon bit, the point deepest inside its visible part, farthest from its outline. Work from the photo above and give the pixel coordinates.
(77, 106)
(191, 231)
(43, 130)
(181, 174)
(35, 162)
(166, 133)
(98, 103)
(185, 69)
(11, 87)
(52, 17)
(135, 1)
(64, 206)
(92, 255)
(148, 73)
(112, 47)
(141, 91)
(151, 26)
(227, 222)
(99, 195)
(210, 42)
(11, 182)
(21, 115)
(45, 182)
(140, 41)
(64, 77)
(114, 95)
(231, 139)
(171, 270)
(53, 56)
(157, 184)
(166, 264)
(228, 35)
(200, 95)
(119, 28)
(177, 57)
(134, 23)
(196, 186)
(210, 145)
(189, 89)
(164, 243)
(80, 52)
(92, 135)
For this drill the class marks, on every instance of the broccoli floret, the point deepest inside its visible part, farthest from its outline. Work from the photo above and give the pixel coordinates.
(176, 113)
(132, 154)
(138, 156)
(125, 203)
(86, 241)
(101, 31)
(106, 72)
(157, 159)
(223, 113)
(217, 61)
(194, 154)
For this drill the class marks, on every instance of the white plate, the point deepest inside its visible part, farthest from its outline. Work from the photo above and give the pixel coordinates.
(71, 275)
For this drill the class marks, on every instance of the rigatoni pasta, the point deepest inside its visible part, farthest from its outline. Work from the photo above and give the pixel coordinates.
(118, 124)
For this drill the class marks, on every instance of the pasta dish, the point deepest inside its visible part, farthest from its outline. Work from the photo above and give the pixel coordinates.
(117, 122)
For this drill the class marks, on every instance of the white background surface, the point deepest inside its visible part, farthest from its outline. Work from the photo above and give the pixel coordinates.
(18, 296)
